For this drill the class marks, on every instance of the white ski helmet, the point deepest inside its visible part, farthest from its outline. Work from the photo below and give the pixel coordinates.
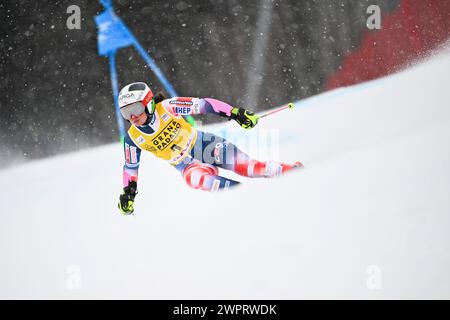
(134, 99)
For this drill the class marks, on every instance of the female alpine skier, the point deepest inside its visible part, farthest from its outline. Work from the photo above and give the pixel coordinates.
(158, 126)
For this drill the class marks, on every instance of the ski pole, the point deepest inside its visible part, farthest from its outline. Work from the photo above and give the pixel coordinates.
(290, 105)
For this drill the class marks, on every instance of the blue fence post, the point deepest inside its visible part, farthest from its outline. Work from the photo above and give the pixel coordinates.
(166, 84)
(156, 70)
(113, 35)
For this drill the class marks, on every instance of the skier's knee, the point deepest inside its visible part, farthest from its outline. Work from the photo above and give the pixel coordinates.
(195, 175)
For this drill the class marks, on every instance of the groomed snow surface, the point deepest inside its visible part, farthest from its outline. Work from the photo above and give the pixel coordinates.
(369, 216)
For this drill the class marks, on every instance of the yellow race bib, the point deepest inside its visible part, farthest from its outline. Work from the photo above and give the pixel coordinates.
(172, 139)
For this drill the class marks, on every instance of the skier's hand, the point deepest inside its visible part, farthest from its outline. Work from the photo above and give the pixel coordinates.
(245, 118)
(126, 199)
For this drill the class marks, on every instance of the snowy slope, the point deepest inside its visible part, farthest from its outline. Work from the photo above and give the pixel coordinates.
(373, 198)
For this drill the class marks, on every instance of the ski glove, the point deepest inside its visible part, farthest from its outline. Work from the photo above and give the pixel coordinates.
(245, 118)
(126, 199)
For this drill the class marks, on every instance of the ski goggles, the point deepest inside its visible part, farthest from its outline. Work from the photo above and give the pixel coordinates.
(136, 108)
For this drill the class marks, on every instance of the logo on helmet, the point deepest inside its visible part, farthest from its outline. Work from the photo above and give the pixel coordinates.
(126, 96)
